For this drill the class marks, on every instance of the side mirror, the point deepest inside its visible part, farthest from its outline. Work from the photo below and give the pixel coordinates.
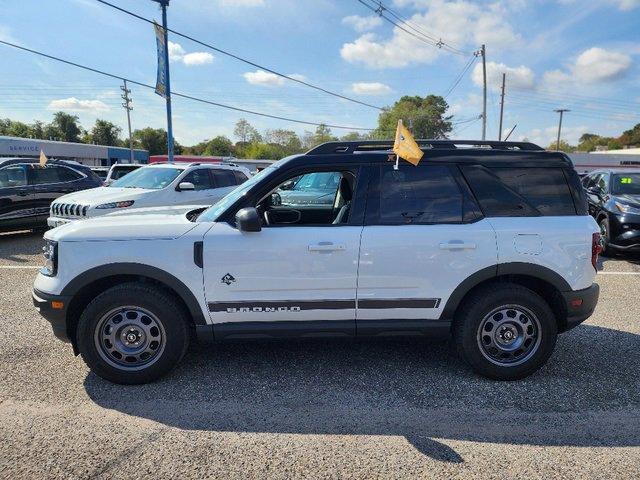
(248, 220)
(186, 186)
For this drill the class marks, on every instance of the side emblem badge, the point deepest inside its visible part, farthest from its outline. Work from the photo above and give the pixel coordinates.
(228, 279)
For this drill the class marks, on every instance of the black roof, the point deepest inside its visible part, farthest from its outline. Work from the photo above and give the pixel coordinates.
(480, 152)
(14, 160)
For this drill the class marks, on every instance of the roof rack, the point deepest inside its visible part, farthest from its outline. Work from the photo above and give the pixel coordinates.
(385, 145)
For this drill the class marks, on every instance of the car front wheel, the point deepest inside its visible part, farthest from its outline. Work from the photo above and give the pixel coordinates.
(133, 333)
(505, 331)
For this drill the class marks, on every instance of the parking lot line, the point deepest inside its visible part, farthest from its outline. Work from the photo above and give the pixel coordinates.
(18, 267)
(618, 273)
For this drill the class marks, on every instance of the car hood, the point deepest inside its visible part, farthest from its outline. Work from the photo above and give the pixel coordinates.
(633, 200)
(163, 210)
(125, 227)
(100, 195)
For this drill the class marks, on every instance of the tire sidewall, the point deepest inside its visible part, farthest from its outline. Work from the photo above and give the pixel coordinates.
(156, 301)
(487, 302)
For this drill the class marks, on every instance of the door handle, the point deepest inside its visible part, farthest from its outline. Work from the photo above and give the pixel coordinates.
(457, 245)
(327, 247)
(22, 193)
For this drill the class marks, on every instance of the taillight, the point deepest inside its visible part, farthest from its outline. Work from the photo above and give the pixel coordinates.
(596, 249)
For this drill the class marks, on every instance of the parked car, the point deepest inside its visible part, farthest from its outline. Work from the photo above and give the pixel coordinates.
(27, 189)
(614, 201)
(157, 185)
(491, 243)
(119, 170)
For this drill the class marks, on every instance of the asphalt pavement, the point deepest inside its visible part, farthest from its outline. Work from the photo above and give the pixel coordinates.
(399, 408)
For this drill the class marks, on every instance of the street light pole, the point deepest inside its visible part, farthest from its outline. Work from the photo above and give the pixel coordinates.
(164, 4)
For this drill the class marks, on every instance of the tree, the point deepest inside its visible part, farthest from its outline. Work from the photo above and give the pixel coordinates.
(285, 138)
(425, 115)
(630, 138)
(66, 126)
(354, 136)
(152, 139)
(105, 133)
(246, 133)
(266, 151)
(219, 145)
(564, 147)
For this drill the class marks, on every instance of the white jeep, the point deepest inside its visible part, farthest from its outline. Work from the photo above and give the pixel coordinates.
(488, 242)
(156, 185)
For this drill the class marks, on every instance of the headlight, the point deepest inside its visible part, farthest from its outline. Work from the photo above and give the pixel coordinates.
(50, 253)
(125, 204)
(624, 208)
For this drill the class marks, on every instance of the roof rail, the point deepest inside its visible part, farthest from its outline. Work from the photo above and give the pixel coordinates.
(377, 145)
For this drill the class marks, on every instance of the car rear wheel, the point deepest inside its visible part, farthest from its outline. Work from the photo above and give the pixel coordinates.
(133, 333)
(505, 331)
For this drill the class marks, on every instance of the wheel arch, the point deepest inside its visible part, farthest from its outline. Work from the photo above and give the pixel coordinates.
(542, 280)
(83, 288)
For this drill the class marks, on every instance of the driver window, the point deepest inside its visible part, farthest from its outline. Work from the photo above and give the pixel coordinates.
(315, 198)
(13, 176)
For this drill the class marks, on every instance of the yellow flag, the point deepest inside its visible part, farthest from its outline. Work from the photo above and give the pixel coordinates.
(43, 158)
(405, 146)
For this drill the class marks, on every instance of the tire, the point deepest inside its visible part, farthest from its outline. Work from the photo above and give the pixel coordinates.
(133, 333)
(505, 331)
(604, 233)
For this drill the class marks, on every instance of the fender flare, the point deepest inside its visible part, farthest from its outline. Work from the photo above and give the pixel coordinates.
(138, 269)
(494, 271)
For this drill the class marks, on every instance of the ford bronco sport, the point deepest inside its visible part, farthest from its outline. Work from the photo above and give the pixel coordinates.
(488, 242)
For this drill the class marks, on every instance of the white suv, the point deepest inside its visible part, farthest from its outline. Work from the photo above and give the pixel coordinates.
(491, 244)
(156, 185)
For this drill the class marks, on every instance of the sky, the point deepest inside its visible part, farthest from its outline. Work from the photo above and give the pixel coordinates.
(583, 55)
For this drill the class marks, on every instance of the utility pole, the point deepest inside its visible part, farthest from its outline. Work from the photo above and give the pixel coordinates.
(164, 4)
(561, 112)
(504, 76)
(127, 106)
(483, 52)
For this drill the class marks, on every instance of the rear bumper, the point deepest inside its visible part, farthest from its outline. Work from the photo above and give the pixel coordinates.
(580, 305)
(54, 309)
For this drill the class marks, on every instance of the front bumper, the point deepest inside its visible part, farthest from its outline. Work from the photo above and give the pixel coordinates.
(580, 305)
(624, 232)
(54, 309)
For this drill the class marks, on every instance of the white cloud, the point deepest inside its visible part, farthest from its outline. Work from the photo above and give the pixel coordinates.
(459, 23)
(197, 58)
(362, 24)
(598, 64)
(546, 136)
(517, 77)
(627, 4)
(370, 88)
(268, 79)
(76, 105)
(595, 65)
(179, 54)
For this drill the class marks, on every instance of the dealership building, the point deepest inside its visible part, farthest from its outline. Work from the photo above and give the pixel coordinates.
(87, 154)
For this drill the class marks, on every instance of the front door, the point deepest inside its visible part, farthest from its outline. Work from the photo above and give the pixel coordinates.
(295, 277)
(16, 198)
(419, 243)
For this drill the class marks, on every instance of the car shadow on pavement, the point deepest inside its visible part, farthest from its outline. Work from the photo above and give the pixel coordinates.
(587, 395)
(14, 247)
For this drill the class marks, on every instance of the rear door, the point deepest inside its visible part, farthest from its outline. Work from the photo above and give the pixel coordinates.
(16, 198)
(423, 236)
(223, 181)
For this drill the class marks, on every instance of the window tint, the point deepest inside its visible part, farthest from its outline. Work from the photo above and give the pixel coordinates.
(13, 176)
(200, 179)
(545, 189)
(240, 177)
(414, 195)
(52, 174)
(224, 178)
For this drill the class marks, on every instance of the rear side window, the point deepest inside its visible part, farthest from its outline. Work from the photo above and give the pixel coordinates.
(419, 195)
(520, 192)
(223, 178)
(200, 178)
(52, 174)
(13, 176)
(240, 177)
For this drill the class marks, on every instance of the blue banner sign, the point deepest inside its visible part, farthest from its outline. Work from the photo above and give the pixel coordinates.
(161, 79)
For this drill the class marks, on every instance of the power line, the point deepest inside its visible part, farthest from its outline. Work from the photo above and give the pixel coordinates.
(244, 60)
(438, 43)
(460, 76)
(190, 97)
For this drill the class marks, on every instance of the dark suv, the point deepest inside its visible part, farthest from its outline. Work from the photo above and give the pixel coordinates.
(27, 189)
(614, 201)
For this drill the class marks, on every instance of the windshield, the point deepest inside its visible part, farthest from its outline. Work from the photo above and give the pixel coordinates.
(212, 213)
(627, 184)
(152, 178)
